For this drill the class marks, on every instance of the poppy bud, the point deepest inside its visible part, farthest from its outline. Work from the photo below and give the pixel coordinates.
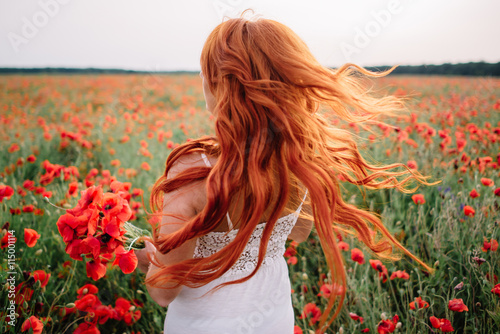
(459, 286)
(6, 226)
(38, 307)
(383, 316)
(460, 180)
(38, 252)
(399, 325)
(304, 276)
(70, 305)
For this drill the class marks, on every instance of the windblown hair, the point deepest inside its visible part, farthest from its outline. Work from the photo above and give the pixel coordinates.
(269, 91)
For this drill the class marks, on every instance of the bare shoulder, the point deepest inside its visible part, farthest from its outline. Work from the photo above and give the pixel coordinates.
(194, 194)
(184, 162)
(304, 224)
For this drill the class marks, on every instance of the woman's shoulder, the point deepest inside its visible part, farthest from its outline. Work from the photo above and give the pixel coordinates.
(187, 161)
(196, 190)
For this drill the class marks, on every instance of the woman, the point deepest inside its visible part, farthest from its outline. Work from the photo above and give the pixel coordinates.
(230, 201)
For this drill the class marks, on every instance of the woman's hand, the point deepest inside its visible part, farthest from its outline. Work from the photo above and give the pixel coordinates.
(143, 256)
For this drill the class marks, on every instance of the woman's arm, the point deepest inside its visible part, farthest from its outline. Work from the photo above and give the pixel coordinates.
(303, 226)
(180, 202)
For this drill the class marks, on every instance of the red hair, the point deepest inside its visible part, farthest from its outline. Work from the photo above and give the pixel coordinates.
(269, 89)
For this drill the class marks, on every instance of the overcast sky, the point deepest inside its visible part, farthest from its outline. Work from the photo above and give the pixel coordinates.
(169, 34)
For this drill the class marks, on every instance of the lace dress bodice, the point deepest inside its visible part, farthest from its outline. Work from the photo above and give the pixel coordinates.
(214, 241)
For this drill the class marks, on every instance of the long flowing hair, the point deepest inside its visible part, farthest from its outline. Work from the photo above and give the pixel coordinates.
(271, 137)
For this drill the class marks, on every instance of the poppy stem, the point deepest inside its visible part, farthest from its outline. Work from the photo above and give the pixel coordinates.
(55, 206)
(130, 246)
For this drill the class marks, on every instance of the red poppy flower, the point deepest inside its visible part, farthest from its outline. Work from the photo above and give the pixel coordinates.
(91, 245)
(28, 208)
(74, 249)
(96, 269)
(87, 303)
(42, 276)
(469, 211)
(15, 211)
(457, 305)
(496, 290)
(418, 199)
(343, 245)
(400, 274)
(492, 245)
(30, 237)
(31, 158)
(21, 191)
(89, 199)
(497, 193)
(474, 193)
(127, 261)
(382, 270)
(72, 189)
(290, 251)
(29, 185)
(292, 260)
(122, 306)
(420, 303)
(70, 226)
(137, 192)
(115, 206)
(132, 317)
(355, 317)
(412, 164)
(312, 312)
(87, 289)
(5, 192)
(13, 148)
(387, 326)
(145, 166)
(486, 182)
(443, 324)
(86, 328)
(32, 323)
(297, 330)
(357, 256)
(6, 239)
(22, 293)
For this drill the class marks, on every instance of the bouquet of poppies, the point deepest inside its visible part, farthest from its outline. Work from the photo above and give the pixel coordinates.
(97, 230)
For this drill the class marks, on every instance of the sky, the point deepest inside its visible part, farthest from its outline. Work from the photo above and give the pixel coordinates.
(168, 35)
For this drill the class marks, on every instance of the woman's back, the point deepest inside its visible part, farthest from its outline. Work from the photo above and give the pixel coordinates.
(261, 304)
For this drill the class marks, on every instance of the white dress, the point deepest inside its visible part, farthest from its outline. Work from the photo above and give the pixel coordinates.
(261, 304)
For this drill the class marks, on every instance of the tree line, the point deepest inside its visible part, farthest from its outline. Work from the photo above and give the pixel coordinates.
(461, 69)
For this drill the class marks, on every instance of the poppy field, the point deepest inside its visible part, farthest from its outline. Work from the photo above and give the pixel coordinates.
(80, 153)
